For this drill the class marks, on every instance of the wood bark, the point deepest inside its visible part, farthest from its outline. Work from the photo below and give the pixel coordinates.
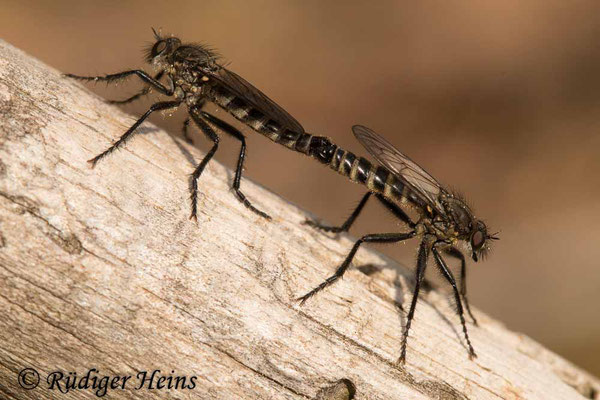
(101, 268)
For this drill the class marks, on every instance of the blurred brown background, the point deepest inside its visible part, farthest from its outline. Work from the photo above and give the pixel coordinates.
(500, 99)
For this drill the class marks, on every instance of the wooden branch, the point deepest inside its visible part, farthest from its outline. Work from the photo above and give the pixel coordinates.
(101, 268)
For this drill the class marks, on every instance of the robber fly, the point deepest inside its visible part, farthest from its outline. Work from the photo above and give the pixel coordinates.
(193, 77)
(444, 219)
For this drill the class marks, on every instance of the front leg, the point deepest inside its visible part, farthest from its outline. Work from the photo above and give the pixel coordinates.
(419, 275)
(126, 74)
(127, 135)
(454, 252)
(450, 278)
(145, 91)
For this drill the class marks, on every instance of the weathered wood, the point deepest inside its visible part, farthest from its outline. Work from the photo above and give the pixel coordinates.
(101, 268)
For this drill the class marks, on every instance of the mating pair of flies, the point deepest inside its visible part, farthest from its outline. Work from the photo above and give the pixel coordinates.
(193, 76)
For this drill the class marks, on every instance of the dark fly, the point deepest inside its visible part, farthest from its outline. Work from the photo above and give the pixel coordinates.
(194, 76)
(444, 219)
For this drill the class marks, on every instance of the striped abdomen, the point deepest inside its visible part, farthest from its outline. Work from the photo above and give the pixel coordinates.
(244, 112)
(375, 177)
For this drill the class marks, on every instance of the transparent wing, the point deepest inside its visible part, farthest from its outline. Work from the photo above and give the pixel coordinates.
(257, 99)
(403, 167)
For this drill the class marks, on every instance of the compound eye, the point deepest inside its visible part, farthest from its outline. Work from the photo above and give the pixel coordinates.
(159, 47)
(477, 239)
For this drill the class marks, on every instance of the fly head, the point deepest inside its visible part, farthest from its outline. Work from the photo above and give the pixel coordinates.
(161, 52)
(480, 240)
(469, 228)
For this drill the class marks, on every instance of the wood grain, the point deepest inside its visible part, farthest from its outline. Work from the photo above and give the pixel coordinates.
(101, 268)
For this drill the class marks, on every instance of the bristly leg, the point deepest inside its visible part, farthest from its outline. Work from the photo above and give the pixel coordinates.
(347, 224)
(456, 253)
(397, 211)
(450, 278)
(185, 132)
(125, 74)
(235, 133)
(127, 135)
(145, 91)
(419, 275)
(393, 208)
(213, 137)
(373, 238)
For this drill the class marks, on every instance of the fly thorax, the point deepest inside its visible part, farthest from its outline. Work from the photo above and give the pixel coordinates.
(420, 229)
(190, 77)
(161, 64)
(428, 226)
(191, 100)
(460, 214)
(442, 230)
(179, 93)
(440, 226)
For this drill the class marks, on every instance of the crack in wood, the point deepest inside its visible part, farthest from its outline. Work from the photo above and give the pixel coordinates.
(249, 298)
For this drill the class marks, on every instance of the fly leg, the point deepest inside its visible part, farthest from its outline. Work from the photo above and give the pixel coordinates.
(125, 74)
(393, 208)
(212, 136)
(229, 129)
(454, 252)
(420, 274)
(373, 238)
(141, 93)
(185, 133)
(450, 278)
(397, 211)
(347, 224)
(127, 135)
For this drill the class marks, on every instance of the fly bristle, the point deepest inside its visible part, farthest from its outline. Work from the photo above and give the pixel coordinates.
(460, 196)
(157, 34)
(211, 52)
(147, 51)
(484, 252)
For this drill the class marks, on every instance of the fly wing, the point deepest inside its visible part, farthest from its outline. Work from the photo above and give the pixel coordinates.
(403, 167)
(257, 99)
